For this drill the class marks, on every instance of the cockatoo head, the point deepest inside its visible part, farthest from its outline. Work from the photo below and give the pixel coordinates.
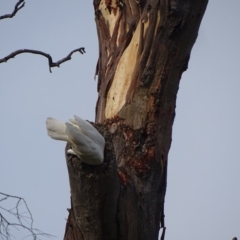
(87, 143)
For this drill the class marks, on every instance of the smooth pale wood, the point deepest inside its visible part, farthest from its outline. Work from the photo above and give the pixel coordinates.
(143, 51)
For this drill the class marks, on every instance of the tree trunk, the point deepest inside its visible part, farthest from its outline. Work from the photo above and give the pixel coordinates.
(144, 47)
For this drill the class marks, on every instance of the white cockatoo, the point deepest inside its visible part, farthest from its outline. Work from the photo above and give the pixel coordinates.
(87, 143)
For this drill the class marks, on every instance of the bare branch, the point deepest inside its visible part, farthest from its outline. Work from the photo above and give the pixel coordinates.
(20, 4)
(48, 56)
(163, 234)
(24, 219)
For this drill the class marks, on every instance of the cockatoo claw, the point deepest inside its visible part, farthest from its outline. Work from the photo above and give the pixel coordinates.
(70, 151)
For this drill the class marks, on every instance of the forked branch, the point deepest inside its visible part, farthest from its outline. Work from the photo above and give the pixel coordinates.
(48, 56)
(20, 4)
(22, 215)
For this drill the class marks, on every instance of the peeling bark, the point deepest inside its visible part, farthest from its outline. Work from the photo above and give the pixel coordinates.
(144, 47)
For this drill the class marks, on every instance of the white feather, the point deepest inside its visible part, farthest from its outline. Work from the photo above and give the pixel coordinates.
(90, 131)
(56, 129)
(87, 143)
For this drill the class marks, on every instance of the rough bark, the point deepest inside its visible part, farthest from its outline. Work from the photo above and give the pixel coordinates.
(144, 47)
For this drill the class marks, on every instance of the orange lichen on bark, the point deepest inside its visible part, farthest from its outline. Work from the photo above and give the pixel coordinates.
(150, 153)
(122, 177)
(141, 165)
(127, 134)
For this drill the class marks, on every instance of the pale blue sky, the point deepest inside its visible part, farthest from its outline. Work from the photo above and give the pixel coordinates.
(203, 193)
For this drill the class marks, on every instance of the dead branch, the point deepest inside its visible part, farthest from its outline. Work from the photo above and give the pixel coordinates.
(20, 4)
(24, 219)
(48, 56)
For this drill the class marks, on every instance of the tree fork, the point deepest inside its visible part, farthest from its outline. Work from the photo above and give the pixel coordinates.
(144, 47)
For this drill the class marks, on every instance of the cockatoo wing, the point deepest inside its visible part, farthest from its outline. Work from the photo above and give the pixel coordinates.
(56, 129)
(87, 143)
(87, 129)
(83, 146)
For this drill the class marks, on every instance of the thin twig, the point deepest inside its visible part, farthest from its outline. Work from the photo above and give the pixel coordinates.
(48, 56)
(162, 223)
(5, 224)
(20, 4)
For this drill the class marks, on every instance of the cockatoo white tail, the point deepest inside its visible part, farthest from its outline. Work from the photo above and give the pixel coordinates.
(87, 143)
